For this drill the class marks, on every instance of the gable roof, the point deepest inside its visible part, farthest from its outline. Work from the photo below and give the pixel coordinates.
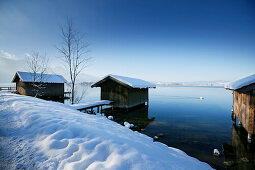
(131, 82)
(241, 82)
(37, 77)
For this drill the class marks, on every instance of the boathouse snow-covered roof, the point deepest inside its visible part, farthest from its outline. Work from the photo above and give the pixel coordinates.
(37, 77)
(241, 82)
(131, 82)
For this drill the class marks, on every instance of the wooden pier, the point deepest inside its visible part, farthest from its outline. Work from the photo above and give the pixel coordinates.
(67, 94)
(10, 89)
(91, 105)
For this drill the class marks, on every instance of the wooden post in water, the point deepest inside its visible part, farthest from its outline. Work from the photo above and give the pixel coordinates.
(240, 124)
(249, 137)
(233, 117)
(148, 100)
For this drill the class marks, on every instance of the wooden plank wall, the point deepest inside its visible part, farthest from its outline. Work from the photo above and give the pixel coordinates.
(21, 87)
(123, 97)
(50, 90)
(244, 110)
(113, 91)
(137, 97)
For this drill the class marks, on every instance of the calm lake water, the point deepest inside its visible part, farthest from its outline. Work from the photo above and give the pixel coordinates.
(183, 121)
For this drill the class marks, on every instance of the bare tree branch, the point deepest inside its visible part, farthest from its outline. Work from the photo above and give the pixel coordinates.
(74, 53)
(37, 65)
(80, 92)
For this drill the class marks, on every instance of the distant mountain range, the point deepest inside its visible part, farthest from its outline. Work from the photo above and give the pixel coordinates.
(196, 83)
(89, 79)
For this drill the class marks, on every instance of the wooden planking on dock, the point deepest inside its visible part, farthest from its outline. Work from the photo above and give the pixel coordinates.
(7, 88)
(91, 105)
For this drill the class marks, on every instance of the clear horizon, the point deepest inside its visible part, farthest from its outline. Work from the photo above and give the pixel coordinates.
(166, 41)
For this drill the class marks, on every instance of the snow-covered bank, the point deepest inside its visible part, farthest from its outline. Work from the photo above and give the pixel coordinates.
(48, 135)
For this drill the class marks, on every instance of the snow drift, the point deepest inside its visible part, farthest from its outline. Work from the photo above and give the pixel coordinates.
(49, 135)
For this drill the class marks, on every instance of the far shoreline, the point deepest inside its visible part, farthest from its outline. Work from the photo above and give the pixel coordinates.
(190, 86)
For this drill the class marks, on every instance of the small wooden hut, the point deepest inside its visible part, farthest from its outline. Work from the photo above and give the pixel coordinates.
(125, 92)
(244, 102)
(39, 85)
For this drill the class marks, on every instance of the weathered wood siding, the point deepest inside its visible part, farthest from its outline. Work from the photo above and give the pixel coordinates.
(137, 97)
(123, 97)
(21, 87)
(244, 104)
(48, 90)
(113, 91)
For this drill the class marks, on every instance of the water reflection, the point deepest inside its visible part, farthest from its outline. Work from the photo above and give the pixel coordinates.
(139, 117)
(241, 153)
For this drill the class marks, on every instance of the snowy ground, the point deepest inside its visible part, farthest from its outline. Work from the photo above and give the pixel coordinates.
(38, 134)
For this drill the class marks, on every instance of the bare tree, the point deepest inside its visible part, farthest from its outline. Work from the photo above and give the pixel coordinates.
(74, 53)
(37, 64)
(80, 92)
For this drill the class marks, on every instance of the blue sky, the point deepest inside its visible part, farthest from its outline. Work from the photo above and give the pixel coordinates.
(156, 40)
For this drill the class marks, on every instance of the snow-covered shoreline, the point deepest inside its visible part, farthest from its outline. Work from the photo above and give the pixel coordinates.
(49, 135)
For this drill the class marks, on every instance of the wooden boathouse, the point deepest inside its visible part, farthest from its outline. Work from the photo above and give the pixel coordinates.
(125, 92)
(39, 85)
(244, 102)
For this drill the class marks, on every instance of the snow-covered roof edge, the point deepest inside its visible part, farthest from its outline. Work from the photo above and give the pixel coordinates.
(241, 82)
(132, 82)
(48, 78)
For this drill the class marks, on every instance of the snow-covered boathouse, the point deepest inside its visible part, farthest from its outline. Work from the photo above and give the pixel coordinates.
(39, 85)
(125, 92)
(244, 102)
